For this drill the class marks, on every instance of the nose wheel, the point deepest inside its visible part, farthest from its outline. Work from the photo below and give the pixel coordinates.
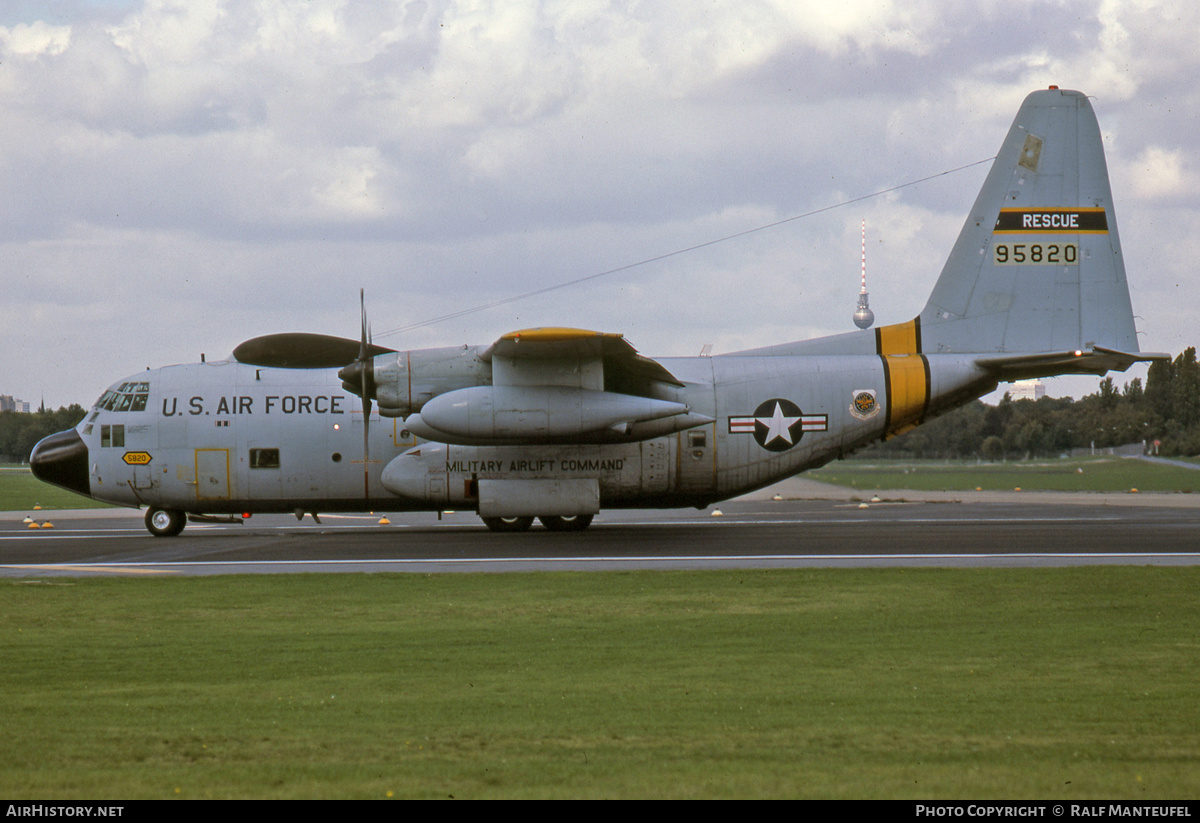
(165, 522)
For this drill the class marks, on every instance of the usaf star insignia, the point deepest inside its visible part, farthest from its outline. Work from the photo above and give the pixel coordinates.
(778, 424)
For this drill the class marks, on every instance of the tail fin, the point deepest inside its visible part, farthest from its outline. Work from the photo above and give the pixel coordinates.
(1035, 285)
(1037, 266)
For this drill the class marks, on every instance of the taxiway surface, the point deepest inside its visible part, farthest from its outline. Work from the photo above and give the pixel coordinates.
(826, 528)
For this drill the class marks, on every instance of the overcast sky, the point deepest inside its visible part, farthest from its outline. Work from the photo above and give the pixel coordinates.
(182, 175)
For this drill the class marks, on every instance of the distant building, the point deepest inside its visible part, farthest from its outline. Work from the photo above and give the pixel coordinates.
(10, 403)
(1027, 390)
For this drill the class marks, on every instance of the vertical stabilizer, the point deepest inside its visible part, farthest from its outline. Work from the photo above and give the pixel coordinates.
(1037, 266)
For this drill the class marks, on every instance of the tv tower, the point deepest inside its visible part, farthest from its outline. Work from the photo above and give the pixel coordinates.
(863, 316)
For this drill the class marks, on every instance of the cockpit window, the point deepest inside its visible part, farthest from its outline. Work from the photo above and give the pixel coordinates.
(130, 396)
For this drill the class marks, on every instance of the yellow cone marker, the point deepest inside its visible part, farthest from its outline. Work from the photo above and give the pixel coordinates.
(717, 513)
(33, 524)
(383, 521)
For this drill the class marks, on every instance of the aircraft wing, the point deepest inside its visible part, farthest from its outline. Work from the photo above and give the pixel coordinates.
(552, 355)
(559, 385)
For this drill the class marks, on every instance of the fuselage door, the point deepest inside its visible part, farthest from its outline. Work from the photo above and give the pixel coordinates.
(697, 459)
(212, 474)
(143, 477)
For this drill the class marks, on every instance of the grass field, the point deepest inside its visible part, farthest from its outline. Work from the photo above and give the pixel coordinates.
(21, 491)
(1050, 683)
(1091, 474)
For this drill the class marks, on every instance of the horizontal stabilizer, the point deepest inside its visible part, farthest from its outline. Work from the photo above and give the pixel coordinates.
(1098, 360)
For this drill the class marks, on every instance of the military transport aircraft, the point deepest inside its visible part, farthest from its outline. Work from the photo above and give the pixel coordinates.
(556, 423)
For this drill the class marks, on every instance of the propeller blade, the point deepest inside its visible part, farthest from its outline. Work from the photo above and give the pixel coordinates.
(364, 365)
(362, 308)
(366, 448)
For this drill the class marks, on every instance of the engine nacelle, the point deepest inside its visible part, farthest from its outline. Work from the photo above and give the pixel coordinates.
(404, 381)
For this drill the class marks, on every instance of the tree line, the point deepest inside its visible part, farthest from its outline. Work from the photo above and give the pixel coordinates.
(1166, 409)
(20, 432)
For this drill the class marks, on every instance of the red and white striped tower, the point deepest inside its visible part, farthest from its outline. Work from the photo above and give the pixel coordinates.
(863, 316)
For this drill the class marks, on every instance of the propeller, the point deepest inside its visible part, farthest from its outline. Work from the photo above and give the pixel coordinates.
(358, 377)
(366, 375)
(354, 360)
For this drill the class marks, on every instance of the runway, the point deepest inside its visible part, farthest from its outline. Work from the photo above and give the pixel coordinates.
(997, 530)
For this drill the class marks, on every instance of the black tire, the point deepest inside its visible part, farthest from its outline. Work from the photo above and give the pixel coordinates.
(508, 524)
(574, 523)
(165, 522)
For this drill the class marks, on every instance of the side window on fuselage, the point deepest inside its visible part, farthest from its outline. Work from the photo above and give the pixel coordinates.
(264, 458)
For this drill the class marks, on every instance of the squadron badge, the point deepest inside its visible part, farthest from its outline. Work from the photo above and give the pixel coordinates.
(864, 405)
(778, 424)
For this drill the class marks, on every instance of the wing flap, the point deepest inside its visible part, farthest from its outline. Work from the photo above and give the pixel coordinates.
(562, 349)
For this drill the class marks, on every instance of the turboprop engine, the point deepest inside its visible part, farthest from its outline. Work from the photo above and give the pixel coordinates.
(402, 382)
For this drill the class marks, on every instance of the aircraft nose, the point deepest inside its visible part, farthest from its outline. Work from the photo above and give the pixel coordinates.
(62, 459)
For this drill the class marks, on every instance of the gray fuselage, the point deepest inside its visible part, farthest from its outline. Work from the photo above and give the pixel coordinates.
(227, 438)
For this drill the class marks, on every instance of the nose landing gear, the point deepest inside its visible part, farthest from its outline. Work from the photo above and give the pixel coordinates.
(165, 522)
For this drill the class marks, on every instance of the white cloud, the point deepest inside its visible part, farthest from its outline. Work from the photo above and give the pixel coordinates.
(444, 154)
(1158, 173)
(31, 39)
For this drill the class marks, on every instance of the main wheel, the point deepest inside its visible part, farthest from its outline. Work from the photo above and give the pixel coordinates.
(574, 523)
(165, 522)
(508, 524)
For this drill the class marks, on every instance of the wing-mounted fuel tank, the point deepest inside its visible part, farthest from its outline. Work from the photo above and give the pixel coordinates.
(509, 415)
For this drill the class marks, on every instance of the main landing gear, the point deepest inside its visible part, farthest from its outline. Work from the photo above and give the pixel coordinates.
(555, 523)
(574, 523)
(165, 522)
